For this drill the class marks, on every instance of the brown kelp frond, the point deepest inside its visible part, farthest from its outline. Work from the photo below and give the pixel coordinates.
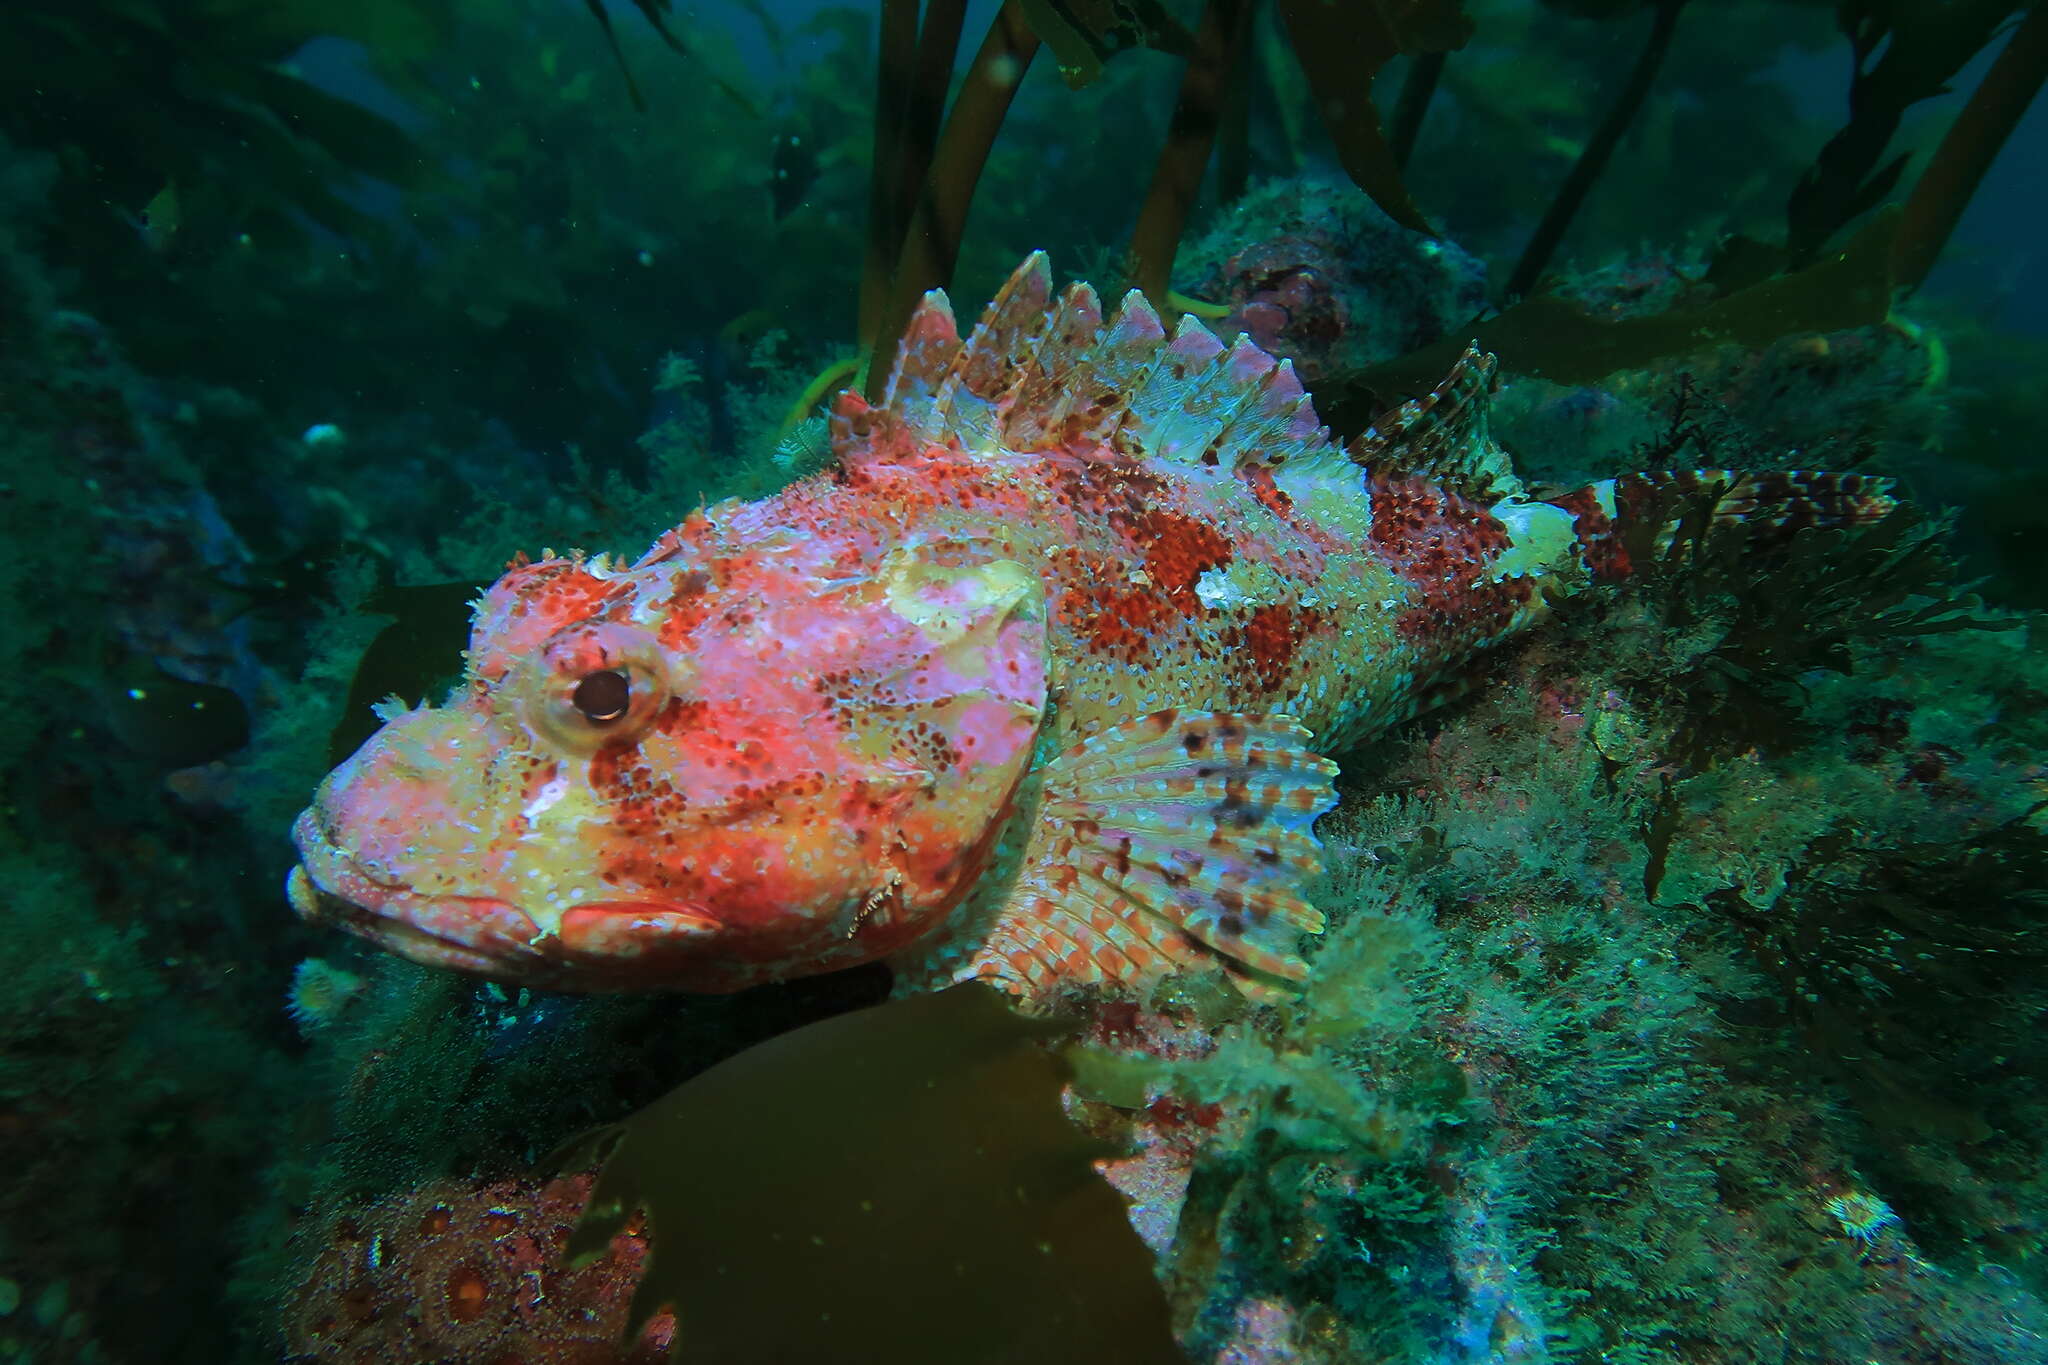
(1556, 338)
(1083, 34)
(1746, 625)
(913, 67)
(1593, 157)
(656, 13)
(416, 657)
(1968, 148)
(798, 1192)
(611, 38)
(1418, 88)
(924, 177)
(153, 94)
(1902, 54)
(1197, 113)
(931, 239)
(896, 46)
(1342, 48)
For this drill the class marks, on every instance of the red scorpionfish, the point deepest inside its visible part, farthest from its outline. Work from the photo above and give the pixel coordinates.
(1037, 684)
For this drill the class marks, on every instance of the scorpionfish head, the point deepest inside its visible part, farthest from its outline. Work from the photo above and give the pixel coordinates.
(719, 767)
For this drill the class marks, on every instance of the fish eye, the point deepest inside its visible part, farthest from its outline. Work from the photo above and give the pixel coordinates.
(595, 684)
(603, 696)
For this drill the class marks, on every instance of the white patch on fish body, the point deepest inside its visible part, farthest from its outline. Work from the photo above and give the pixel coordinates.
(545, 799)
(1241, 583)
(1539, 535)
(1603, 494)
(1215, 589)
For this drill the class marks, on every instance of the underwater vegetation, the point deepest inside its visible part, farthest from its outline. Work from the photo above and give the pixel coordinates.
(1681, 993)
(995, 1196)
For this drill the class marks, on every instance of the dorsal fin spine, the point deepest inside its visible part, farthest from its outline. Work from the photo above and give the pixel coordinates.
(1043, 373)
(1444, 435)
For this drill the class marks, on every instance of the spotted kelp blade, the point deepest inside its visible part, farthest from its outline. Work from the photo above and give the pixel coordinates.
(896, 1183)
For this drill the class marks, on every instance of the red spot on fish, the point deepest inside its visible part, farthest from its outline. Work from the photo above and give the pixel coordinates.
(612, 768)
(639, 799)
(1430, 535)
(557, 590)
(680, 716)
(1462, 618)
(1260, 480)
(1116, 621)
(684, 609)
(1272, 636)
(1178, 551)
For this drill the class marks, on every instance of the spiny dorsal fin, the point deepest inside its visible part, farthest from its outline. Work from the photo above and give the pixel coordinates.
(1043, 375)
(1443, 437)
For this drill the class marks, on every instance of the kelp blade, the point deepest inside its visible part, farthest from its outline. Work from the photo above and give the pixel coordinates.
(896, 1183)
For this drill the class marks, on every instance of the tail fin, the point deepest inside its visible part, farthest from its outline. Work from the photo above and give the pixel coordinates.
(1626, 524)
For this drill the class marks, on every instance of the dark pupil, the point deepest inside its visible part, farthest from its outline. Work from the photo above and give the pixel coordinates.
(603, 696)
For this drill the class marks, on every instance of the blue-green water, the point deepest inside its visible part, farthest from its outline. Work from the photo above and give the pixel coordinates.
(1681, 992)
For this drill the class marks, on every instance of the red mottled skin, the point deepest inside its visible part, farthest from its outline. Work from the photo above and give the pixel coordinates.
(836, 692)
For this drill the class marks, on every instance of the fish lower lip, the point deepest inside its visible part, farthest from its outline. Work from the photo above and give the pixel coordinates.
(480, 933)
(300, 891)
(316, 904)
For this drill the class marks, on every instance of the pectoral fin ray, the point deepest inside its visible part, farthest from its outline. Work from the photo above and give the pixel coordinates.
(1175, 838)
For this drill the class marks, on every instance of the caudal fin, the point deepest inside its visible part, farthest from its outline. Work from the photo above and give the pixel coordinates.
(1627, 523)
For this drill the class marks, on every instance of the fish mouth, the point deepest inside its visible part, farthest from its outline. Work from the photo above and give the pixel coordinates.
(598, 946)
(390, 927)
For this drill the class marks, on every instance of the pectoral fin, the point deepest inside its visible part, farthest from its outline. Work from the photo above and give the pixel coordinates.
(1173, 839)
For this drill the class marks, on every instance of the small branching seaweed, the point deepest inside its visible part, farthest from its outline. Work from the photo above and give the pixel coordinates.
(1335, 1194)
(1910, 970)
(1746, 624)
